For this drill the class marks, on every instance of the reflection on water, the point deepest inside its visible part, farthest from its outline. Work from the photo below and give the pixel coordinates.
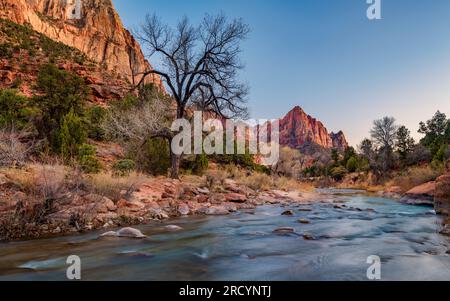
(243, 246)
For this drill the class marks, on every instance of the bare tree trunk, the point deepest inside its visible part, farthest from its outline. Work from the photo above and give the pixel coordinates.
(175, 169)
(176, 159)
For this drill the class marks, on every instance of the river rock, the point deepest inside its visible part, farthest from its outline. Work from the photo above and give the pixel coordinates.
(393, 192)
(217, 210)
(304, 221)
(284, 230)
(130, 232)
(420, 195)
(109, 234)
(235, 198)
(288, 212)
(173, 228)
(183, 209)
(124, 232)
(308, 236)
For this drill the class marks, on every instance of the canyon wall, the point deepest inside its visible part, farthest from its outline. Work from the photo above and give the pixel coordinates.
(98, 32)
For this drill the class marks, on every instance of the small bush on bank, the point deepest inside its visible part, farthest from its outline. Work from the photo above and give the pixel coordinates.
(94, 118)
(13, 151)
(338, 173)
(15, 110)
(72, 136)
(87, 159)
(123, 168)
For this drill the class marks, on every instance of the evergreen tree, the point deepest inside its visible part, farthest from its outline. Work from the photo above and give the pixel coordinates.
(71, 136)
(405, 143)
(435, 131)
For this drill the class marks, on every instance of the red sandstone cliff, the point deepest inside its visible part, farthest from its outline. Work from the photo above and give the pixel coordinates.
(298, 129)
(99, 33)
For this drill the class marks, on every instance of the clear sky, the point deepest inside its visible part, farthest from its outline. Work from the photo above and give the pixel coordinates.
(328, 58)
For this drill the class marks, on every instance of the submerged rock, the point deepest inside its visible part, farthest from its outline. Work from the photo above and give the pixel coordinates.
(308, 236)
(305, 209)
(125, 232)
(284, 230)
(304, 221)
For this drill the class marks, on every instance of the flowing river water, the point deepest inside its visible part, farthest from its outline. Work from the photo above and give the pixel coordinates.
(242, 246)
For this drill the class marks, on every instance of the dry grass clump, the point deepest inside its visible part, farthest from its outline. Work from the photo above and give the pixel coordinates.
(289, 184)
(415, 176)
(114, 188)
(257, 181)
(215, 177)
(254, 180)
(40, 181)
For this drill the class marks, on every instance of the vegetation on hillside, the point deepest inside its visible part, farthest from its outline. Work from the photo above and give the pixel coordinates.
(16, 39)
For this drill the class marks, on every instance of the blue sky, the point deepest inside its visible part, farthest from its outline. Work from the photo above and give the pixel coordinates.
(327, 57)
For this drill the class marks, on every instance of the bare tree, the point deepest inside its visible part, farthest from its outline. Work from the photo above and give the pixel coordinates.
(15, 147)
(199, 65)
(132, 127)
(384, 133)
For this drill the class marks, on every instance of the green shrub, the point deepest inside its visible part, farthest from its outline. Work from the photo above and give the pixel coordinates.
(338, 173)
(94, 117)
(6, 50)
(352, 164)
(441, 154)
(90, 164)
(72, 136)
(123, 168)
(88, 160)
(15, 109)
(62, 92)
(158, 156)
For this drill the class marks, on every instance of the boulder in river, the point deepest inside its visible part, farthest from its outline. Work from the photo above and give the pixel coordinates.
(420, 195)
(288, 212)
(125, 232)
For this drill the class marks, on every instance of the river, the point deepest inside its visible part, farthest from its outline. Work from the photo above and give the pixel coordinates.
(242, 246)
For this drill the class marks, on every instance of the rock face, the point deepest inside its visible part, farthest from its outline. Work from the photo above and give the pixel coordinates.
(99, 32)
(298, 129)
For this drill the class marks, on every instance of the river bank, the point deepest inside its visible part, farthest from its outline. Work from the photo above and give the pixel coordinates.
(76, 205)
